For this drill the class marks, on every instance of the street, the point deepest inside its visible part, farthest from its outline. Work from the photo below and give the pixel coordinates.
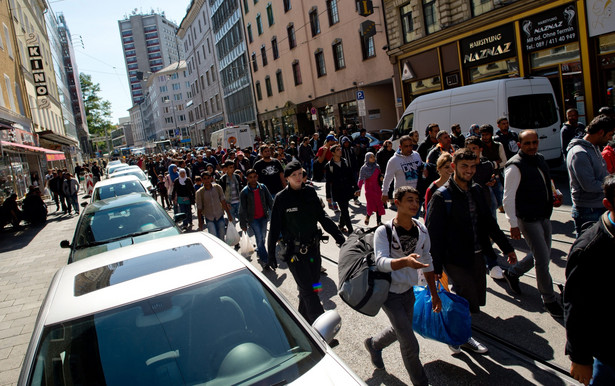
(29, 258)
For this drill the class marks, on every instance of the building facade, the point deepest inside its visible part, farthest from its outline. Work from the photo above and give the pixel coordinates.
(149, 44)
(233, 66)
(318, 64)
(436, 45)
(204, 105)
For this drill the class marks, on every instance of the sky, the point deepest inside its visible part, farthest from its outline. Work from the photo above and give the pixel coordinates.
(96, 40)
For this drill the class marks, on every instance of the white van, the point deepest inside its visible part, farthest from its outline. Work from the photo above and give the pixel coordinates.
(528, 103)
(239, 135)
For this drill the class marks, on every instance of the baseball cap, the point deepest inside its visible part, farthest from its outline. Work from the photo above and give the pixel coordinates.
(331, 137)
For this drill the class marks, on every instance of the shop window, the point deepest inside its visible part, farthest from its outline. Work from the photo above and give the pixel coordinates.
(338, 55)
(426, 85)
(430, 14)
(407, 26)
(606, 43)
(319, 56)
(555, 55)
(297, 73)
(332, 12)
(481, 6)
(314, 22)
(500, 69)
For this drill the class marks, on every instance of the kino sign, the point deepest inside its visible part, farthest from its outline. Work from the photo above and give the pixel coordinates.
(38, 71)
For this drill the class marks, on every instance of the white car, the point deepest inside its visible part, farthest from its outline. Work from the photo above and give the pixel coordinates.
(183, 310)
(112, 168)
(119, 186)
(137, 172)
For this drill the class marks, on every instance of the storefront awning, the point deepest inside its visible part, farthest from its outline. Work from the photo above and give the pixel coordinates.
(51, 136)
(52, 155)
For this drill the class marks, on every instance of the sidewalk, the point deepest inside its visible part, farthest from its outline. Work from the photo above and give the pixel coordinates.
(28, 260)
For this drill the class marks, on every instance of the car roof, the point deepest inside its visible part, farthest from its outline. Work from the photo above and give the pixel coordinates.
(132, 273)
(116, 180)
(115, 202)
(129, 169)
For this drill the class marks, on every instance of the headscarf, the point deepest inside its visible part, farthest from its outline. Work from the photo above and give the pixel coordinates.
(368, 168)
(182, 180)
(173, 175)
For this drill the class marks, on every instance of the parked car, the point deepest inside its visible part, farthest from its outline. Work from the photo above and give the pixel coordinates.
(374, 143)
(137, 172)
(382, 134)
(184, 310)
(115, 187)
(112, 168)
(117, 222)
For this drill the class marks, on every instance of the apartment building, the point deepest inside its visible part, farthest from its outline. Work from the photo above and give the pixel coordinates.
(318, 64)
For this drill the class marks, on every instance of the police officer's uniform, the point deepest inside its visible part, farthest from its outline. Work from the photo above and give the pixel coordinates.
(295, 215)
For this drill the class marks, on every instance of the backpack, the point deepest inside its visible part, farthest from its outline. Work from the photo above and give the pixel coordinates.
(362, 286)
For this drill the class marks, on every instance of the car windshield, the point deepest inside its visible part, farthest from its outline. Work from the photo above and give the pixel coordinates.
(227, 331)
(137, 173)
(120, 189)
(126, 221)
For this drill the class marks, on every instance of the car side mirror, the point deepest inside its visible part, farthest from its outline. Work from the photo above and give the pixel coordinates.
(64, 244)
(328, 325)
(84, 204)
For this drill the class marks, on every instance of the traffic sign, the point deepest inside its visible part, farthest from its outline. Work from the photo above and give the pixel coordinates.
(360, 95)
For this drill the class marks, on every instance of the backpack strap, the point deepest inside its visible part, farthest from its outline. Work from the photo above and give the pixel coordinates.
(448, 200)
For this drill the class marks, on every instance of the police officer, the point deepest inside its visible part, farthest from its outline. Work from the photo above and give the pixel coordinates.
(295, 214)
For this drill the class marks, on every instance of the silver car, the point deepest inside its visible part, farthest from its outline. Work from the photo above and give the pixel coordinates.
(184, 310)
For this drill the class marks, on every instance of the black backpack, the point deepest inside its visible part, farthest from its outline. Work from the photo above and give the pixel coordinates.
(361, 285)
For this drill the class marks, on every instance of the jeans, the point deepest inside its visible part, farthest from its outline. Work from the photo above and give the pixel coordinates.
(216, 227)
(537, 235)
(603, 374)
(234, 209)
(186, 209)
(582, 215)
(307, 165)
(72, 200)
(399, 308)
(259, 227)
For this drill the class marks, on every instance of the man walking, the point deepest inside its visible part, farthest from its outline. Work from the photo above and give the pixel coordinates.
(507, 138)
(571, 129)
(405, 167)
(254, 210)
(211, 205)
(528, 202)
(460, 220)
(587, 169)
(430, 140)
(270, 171)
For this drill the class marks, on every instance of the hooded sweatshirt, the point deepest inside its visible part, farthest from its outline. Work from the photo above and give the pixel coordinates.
(405, 169)
(587, 170)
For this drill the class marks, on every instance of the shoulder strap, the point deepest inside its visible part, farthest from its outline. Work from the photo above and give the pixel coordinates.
(389, 236)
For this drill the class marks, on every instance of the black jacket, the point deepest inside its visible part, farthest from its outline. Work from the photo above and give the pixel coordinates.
(451, 231)
(295, 215)
(343, 184)
(589, 329)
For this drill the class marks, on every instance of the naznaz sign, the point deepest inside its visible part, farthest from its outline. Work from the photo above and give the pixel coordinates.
(488, 46)
(38, 71)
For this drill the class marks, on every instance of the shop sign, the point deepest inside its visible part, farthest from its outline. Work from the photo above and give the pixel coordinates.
(554, 27)
(19, 136)
(488, 46)
(599, 17)
(38, 71)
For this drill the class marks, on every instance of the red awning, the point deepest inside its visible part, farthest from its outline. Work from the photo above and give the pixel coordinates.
(52, 155)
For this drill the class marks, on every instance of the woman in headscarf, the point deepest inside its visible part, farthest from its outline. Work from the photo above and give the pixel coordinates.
(183, 195)
(369, 175)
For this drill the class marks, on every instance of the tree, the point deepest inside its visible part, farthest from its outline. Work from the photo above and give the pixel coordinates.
(97, 110)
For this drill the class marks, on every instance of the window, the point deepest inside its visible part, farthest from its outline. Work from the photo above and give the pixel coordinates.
(11, 97)
(287, 6)
(297, 73)
(254, 63)
(249, 31)
(320, 63)
(338, 55)
(274, 48)
(367, 46)
(259, 25)
(407, 27)
(481, 6)
(431, 17)
(176, 86)
(279, 80)
(270, 14)
(163, 88)
(259, 92)
(245, 7)
(9, 46)
(332, 12)
(264, 55)
(292, 41)
(268, 86)
(314, 23)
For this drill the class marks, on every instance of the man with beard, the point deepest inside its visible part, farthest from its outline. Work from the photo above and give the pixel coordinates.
(270, 171)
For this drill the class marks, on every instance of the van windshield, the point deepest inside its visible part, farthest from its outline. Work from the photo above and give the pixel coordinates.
(532, 111)
(405, 125)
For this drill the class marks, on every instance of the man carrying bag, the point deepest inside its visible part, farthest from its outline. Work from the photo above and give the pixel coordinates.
(407, 252)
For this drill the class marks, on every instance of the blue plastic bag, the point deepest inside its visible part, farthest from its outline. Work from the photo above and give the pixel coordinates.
(453, 325)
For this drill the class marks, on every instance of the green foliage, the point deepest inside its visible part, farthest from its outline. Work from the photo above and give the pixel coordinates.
(97, 110)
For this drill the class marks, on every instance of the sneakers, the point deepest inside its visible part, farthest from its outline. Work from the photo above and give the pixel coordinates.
(375, 355)
(555, 309)
(455, 349)
(513, 282)
(335, 207)
(475, 346)
(496, 273)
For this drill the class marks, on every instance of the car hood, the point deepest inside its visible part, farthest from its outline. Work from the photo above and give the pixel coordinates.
(329, 371)
(80, 254)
